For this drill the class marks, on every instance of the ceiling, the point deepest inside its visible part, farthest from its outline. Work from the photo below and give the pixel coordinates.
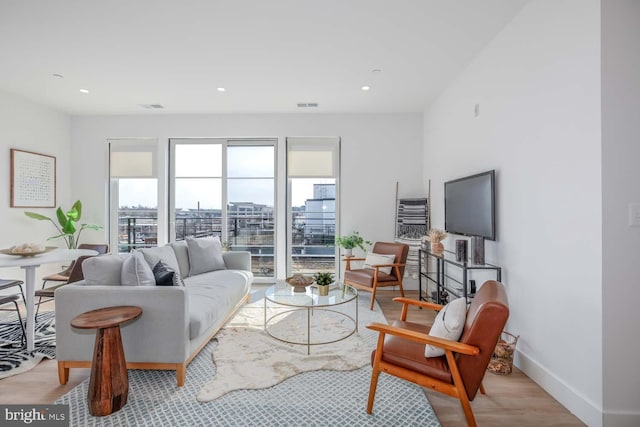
(269, 55)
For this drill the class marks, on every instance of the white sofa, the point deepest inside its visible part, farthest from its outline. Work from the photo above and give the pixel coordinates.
(176, 322)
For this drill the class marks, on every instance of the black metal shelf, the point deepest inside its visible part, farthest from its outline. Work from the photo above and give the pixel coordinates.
(443, 280)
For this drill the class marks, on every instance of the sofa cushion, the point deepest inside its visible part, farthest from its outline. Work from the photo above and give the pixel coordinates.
(102, 270)
(166, 276)
(212, 296)
(136, 271)
(182, 255)
(205, 254)
(164, 253)
(448, 325)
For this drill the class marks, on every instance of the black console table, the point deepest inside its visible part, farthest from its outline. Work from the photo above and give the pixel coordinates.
(443, 279)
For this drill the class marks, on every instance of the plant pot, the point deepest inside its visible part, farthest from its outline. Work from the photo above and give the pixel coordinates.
(347, 252)
(437, 247)
(323, 290)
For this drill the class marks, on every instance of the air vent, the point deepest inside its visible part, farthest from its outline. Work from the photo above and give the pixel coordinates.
(307, 104)
(151, 106)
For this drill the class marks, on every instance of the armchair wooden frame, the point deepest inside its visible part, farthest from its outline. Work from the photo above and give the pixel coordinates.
(456, 389)
(397, 269)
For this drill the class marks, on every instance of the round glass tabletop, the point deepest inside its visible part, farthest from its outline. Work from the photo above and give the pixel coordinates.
(282, 293)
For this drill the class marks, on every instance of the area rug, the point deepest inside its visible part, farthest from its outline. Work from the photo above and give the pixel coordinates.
(317, 398)
(248, 358)
(14, 357)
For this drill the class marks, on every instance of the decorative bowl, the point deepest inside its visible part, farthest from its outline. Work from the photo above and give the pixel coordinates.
(27, 253)
(299, 282)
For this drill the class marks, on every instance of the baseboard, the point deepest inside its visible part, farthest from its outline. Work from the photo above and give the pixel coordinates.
(586, 410)
(621, 419)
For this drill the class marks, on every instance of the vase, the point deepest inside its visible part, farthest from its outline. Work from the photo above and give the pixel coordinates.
(437, 247)
(348, 252)
(323, 290)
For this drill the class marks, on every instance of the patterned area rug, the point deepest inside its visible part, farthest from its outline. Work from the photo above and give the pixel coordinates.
(14, 358)
(318, 398)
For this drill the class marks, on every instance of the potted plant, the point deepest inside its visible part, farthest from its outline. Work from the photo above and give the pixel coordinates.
(323, 280)
(436, 236)
(351, 241)
(67, 229)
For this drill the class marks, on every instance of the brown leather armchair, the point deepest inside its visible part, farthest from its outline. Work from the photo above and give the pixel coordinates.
(459, 373)
(370, 279)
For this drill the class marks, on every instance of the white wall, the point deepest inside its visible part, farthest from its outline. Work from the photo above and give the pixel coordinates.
(537, 84)
(28, 126)
(377, 151)
(620, 186)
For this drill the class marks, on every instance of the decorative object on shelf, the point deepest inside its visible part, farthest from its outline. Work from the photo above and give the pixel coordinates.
(435, 236)
(33, 180)
(299, 282)
(501, 362)
(348, 243)
(67, 228)
(461, 250)
(27, 249)
(323, 280)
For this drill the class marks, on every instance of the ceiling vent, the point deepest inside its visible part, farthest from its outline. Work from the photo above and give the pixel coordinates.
(151, 106)
(307, 104)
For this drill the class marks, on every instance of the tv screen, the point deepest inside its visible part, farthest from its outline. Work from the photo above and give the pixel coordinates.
(469, 205)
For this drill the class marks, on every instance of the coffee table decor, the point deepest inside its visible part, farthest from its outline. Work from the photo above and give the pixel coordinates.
(299, 282)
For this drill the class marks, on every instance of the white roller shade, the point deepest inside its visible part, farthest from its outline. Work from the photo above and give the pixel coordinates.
(132, 160)
(312, 157)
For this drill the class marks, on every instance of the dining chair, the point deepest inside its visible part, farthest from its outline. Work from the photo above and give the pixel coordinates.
(63, 276)
(6, 284)
(13, 299)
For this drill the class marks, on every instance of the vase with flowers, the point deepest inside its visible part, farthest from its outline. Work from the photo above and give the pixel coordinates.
(435, 236)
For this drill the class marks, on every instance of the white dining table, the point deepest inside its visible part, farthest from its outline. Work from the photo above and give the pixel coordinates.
(29, 265)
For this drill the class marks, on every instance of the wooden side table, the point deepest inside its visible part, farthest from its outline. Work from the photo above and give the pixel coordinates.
(109, 383)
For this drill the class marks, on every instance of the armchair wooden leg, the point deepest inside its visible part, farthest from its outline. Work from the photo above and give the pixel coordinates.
(375, 373)
(373, 297)
(482, 391)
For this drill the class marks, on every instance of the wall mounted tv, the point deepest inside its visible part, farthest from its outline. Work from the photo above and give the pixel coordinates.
(469, 206)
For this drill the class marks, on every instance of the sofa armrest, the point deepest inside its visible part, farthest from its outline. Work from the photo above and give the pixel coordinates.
(161, 334)
(238, 260)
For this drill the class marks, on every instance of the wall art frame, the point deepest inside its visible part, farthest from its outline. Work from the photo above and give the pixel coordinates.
(33, 179)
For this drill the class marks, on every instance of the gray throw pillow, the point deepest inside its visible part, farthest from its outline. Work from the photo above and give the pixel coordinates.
(205, 254)
(102, 270)
(161, 253)
(182, 255)
(136, 271)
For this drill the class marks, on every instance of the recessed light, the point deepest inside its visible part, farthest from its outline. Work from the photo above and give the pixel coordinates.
(376, 70)
(221, 89)
(84, 90)
(59, 76)
(366, 88)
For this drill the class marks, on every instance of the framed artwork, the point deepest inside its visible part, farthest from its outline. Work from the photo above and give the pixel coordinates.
(33, 180)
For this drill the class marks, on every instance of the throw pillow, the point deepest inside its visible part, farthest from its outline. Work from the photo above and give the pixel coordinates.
(205, 254)
(449, 324)
(136, 271)
(166, 276)
(164, 253)
(182, 255)
(378, 259)
(102, 270)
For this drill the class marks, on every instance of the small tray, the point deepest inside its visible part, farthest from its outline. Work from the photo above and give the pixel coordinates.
(28, 254)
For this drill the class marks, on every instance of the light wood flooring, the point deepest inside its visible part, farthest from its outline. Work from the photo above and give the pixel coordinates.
(511, 400)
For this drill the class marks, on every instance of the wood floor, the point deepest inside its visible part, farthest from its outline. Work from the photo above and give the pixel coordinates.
(511, 400)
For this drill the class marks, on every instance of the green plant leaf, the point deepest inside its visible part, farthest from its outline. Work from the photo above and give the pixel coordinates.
(37, 216)
(69, 227)
(77, 206)
(72, 215)
(62, 218)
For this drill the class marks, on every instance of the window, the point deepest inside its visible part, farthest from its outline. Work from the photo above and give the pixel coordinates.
(226, 188)
(312, 172)
(134, 195)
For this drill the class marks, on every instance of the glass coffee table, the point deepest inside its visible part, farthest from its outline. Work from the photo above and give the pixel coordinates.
(284, 324)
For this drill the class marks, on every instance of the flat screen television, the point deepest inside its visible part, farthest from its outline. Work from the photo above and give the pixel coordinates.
(469, 206)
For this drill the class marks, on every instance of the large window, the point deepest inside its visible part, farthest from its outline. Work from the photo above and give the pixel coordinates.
(226, 188)
(134, 193)
(312, 172)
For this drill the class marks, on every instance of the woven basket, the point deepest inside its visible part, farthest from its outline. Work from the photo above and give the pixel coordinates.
(501, 362)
